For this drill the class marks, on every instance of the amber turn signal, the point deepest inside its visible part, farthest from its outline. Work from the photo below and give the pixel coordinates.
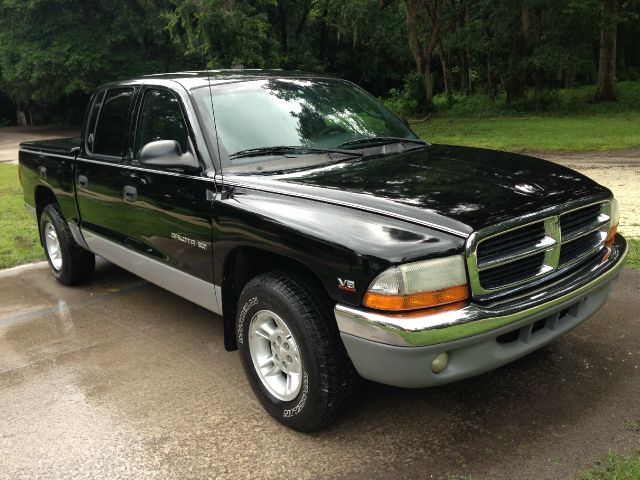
(417, 300)
(610, 237)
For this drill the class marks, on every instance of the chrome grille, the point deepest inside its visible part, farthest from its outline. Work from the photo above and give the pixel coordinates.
(504, 260)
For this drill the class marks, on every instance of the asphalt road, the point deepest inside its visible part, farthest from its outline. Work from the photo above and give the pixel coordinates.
(121, 379)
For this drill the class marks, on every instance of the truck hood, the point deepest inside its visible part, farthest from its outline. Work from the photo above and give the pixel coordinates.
(453, 189)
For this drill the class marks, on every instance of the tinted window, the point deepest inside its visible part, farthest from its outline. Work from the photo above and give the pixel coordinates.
(161, 119)
(112, 124)
(93, 116)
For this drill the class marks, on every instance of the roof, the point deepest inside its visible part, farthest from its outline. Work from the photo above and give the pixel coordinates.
(198, 78)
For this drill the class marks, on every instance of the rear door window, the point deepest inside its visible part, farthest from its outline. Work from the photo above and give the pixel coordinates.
(111, 129)
(91, 121)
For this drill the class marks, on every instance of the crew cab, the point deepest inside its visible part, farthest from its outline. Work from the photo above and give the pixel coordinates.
(334, 243)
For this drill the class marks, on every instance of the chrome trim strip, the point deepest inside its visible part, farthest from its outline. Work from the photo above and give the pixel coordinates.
(176, 281)
(39, 152)
(140, 169)
(120, 165)
(341, 203)
(413, 331)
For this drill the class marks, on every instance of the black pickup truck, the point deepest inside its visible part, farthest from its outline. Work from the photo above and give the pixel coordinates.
(334, 243)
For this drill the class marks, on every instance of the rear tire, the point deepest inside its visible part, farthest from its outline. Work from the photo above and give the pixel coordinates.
(291, 351)
(69, 263)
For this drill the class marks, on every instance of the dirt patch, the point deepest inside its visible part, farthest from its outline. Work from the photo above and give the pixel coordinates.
(11, 137)
(617, 170)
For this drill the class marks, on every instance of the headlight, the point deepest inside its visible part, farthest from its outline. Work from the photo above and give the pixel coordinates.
(425, 284)
(614, 222)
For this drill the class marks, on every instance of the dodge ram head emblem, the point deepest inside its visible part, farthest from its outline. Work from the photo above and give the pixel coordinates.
(348, 285)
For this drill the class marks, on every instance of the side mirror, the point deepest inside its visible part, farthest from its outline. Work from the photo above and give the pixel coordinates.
(167, 154)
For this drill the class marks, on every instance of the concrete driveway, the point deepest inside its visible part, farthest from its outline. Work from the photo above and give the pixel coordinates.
(120, 379)
(11, 137)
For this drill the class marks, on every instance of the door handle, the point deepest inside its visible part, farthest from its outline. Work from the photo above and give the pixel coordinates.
(83, 181)
(130, 194)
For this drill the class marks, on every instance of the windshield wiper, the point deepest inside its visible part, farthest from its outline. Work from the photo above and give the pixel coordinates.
(382, 140)
(284, 149)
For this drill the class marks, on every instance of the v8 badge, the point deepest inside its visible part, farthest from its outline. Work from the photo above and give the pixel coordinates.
(347, 285)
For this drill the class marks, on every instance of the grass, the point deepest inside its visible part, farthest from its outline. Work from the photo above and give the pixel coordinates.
(18, 232)
(633, 260)
(545, 133)
(563, 120)
(616, 467)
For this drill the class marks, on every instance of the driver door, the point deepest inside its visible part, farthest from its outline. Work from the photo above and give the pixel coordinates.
(168, 217)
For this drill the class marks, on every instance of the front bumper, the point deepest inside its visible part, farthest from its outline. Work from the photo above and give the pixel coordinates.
(398, 350)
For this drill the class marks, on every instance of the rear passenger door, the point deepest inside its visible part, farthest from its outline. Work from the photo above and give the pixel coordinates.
(99, 180)
(168, 214)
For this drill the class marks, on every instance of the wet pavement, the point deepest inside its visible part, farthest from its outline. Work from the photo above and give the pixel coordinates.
(121, 379)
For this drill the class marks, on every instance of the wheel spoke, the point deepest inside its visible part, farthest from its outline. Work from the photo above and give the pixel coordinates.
(275, 370)
(266, 362)
(262, 333)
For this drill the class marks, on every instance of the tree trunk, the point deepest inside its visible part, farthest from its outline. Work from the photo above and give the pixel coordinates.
(427, 80)
(446, 75)
(538, 85)
(423, 53)
(607, 64)
(492, 89)
(465, 72)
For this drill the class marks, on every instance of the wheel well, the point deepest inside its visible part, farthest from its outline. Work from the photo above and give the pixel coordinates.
(240, 266)
(43, 197)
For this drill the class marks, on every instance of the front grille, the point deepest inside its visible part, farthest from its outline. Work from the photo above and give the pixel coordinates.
(512, 241)
(503, 261)
(576, 248)
(577, 221)
(512, 272)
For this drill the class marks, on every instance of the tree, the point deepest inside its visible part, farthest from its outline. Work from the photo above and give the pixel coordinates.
(607, 64)
(424, 20)
(52, 49)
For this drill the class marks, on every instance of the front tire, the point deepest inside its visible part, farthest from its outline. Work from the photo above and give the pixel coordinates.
(69, 263)
(292, 353)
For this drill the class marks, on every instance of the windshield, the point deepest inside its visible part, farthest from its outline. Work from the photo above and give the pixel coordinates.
(255, 118)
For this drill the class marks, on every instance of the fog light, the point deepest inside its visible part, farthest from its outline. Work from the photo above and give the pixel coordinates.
(440, 362)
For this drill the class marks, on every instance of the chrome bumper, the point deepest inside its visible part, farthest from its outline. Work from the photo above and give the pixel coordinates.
(475, 319)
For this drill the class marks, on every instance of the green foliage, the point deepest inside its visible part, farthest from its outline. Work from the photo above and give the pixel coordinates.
(18, 231)
(53, 48)
(408, 100)
(616, 467)
(224, 34)
(633, 260)
(573, 101)
(516, 52)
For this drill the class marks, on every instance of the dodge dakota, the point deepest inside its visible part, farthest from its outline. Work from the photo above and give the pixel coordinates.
(332, 241)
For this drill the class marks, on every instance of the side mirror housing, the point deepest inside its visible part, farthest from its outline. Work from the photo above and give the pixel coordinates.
(167, 154)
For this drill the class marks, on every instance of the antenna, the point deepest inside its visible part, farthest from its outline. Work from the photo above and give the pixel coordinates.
(218, 167)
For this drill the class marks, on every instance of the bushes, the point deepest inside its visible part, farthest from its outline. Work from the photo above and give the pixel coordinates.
(409, 100)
